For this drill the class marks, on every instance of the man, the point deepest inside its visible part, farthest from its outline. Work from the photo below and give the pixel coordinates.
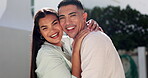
(99, 58)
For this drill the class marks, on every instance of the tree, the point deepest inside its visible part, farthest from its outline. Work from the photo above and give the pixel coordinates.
(128, 28)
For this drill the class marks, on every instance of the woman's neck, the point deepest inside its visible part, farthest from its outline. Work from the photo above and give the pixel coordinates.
(59, 44)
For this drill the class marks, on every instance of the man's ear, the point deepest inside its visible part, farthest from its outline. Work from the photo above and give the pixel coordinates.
(85, 16)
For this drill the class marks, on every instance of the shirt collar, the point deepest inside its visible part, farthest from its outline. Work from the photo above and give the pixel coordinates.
(47, 43)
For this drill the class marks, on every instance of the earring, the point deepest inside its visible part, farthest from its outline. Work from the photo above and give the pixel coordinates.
(41, 37)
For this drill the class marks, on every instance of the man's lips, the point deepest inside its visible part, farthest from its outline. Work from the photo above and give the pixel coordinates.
(70, 28)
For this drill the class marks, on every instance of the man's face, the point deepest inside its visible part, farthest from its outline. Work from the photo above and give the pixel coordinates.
(72, 19)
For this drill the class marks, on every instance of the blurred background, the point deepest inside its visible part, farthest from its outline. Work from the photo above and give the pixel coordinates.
(125, 21)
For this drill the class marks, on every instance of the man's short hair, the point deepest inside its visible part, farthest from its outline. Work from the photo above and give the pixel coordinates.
(71, 2)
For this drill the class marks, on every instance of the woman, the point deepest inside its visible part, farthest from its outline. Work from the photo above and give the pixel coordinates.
(50, 56)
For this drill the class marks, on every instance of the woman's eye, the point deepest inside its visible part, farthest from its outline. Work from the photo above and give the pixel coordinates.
(44, 28)
(55, 23)
(61, 18)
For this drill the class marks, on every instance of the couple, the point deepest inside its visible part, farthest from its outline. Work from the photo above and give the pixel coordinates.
(93, 56)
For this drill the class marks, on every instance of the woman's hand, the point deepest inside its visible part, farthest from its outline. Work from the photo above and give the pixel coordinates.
(76, 58)
(92, 25)
(78, 40)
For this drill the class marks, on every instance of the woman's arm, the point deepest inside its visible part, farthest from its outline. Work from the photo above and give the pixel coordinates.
(91, 25)
(76, 59)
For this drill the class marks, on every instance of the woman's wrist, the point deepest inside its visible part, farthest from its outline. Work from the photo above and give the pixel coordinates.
(76, 52)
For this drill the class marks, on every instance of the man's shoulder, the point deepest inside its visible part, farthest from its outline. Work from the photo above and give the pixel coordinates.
(96, 36)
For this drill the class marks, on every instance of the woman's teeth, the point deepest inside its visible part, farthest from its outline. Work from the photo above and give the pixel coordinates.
(54, 35)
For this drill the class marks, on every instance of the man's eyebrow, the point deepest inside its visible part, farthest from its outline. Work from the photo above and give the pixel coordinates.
(61, 15)
(72, 13)
(68, 14)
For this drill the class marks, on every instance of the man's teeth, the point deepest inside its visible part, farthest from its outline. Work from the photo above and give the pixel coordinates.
(69, 28)
(54, 35)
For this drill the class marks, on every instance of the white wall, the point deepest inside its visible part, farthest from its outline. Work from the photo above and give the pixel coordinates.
(15, 38)
(17, 14)
(14, 53)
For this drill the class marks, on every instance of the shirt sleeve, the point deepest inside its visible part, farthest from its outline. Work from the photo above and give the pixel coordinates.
(52, 66)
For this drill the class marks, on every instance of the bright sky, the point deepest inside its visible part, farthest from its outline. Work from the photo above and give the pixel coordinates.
(140, 5)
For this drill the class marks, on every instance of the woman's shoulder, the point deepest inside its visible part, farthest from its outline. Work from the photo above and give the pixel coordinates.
(47, 52)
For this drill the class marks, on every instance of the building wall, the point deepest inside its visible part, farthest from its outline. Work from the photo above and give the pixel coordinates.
(14, 53)
(17, 14)
(15, 38)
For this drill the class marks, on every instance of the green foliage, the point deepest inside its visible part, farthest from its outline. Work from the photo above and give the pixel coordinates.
(128, 28)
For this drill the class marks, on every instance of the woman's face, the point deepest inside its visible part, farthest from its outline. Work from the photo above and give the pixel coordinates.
(50, 29)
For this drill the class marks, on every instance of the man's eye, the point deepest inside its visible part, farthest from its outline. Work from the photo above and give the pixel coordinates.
(73, 15)
(61, 18)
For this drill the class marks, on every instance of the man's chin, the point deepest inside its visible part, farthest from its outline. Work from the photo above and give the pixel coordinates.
(71, 36)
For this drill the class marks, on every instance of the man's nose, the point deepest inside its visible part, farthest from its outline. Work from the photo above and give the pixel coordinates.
(68, 21)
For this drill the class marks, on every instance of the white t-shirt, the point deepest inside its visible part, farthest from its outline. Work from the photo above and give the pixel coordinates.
(99, 58)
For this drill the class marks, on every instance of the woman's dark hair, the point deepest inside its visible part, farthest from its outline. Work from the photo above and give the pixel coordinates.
(37, 41)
